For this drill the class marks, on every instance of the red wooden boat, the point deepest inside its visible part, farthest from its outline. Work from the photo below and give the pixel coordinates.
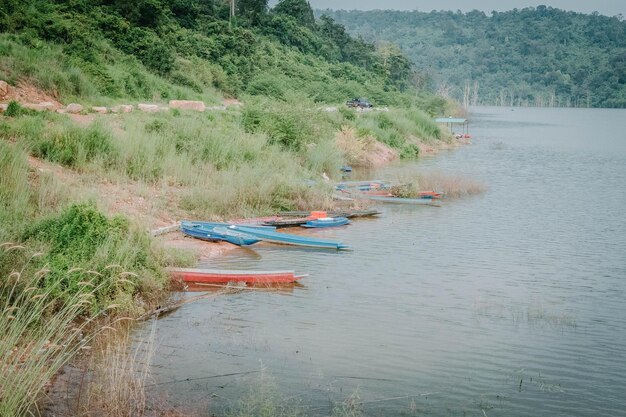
(222, 276)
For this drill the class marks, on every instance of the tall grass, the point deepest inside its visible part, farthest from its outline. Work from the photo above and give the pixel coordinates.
(264, 400)
(81, 243)
(35, 344)
(119, 375)
(58, 139)
(451, 185)
(116, 76)
(227, 164)
(401, 129)
(15, 196)
(258, 189)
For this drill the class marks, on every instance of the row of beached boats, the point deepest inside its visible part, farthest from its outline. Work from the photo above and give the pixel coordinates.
(248, 232)
(245, 234)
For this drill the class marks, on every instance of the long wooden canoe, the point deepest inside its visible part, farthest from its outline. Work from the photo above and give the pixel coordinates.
(224, 276)
(216, 233)
(289, 239)
(327, 222)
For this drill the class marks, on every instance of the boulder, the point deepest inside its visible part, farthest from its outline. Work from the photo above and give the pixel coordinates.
(150, 108)
(3, 107)
(101, 110)
(122, 108)
(74, 108)
(187, 105)
(4, 88)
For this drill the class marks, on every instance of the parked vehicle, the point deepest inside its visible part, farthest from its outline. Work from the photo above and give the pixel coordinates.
(359, 103)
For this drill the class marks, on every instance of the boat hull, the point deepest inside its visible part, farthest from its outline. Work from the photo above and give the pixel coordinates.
(219, 276)
(289, 239)
(219, 232)
(320, 223)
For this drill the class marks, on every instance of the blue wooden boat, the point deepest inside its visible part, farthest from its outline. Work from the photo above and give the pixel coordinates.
(327, 222)
(234, 236)
(217, 233)
(198, 232)
(288, 239)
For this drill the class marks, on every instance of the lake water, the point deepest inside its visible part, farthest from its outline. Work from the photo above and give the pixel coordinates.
(510, 303)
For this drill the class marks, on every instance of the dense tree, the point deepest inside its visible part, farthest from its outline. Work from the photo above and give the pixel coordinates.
(298, 9)
(530, 56)
(252, 10)
(194, 44)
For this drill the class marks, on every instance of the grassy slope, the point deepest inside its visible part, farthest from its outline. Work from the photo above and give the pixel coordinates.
(240, 162)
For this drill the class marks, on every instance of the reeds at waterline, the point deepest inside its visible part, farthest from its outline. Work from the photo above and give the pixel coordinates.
(38, 336)
(451, 185)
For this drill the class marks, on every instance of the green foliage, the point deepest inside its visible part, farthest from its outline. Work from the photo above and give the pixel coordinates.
(269, 85)
(35, 344)
(14, 109)
(145, 49)
(532, 56)
(15, 196)
(62, 142)
(252, 10)
(81, 238)
(292, 124)
(400, 129)
(300, 10)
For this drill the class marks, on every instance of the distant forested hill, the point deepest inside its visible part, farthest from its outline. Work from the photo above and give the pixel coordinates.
(534, 56)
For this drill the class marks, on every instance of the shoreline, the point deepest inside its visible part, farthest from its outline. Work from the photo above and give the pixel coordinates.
(150, 205)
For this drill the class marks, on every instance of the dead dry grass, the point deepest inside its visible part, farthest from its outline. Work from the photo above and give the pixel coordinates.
(111, 381)
(363, 152)
(451, 185)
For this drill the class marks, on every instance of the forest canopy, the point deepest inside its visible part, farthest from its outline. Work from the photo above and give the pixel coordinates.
(244, 47)
(534, 56)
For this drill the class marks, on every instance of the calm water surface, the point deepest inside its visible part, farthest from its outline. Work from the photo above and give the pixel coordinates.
(511, 303)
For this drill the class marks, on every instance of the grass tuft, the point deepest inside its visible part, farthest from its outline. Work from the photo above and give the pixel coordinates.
(35, 344)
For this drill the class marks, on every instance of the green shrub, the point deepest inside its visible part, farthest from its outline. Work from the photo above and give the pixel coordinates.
(74, 146)
(270, 85)
(14, 109)
(347, 113)
(84, 245)
(384, 122)
(58, 139)
(409, 151)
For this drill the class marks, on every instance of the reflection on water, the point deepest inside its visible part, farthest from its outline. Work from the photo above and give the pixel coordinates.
(508, 303)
